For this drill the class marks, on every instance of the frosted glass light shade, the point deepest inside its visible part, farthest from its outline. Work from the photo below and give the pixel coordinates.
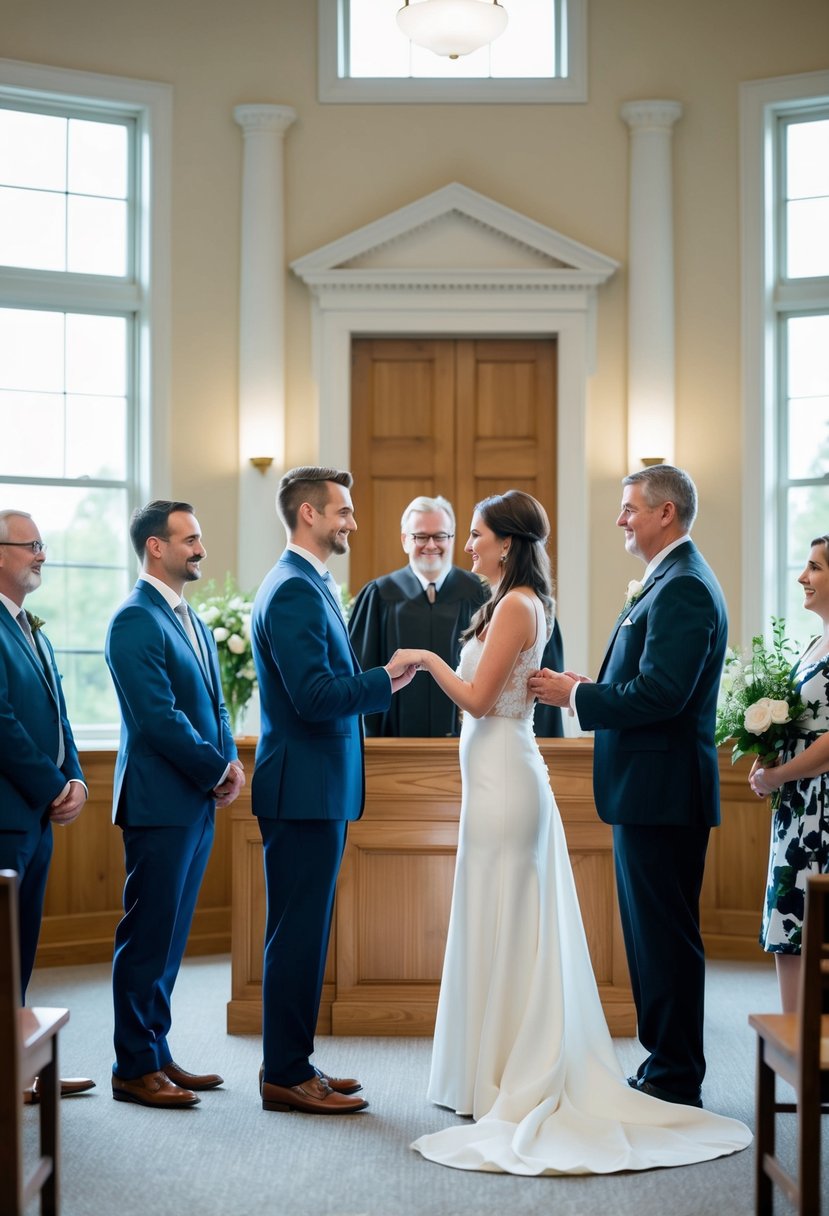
(452, 27)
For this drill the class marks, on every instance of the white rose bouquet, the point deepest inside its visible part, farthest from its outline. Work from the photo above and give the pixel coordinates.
(227, 615)
(759, 706)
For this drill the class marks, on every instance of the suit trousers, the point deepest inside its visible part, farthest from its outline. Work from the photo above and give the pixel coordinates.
(302, 861)
(659, 871)
(165, 867)
(29, 853)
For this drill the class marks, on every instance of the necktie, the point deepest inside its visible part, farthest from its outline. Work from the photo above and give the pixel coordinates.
(431, 593)
(23, 622)
(333, 587)
(189, 628)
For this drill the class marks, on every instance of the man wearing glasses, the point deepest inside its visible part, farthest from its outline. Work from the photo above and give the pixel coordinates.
(426, 605)
(41, 782)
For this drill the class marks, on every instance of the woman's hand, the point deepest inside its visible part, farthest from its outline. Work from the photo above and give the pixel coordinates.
(409, 658)
(764, 777)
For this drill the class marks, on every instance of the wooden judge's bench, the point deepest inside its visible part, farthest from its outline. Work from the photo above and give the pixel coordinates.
(393, 896)
(395, 887)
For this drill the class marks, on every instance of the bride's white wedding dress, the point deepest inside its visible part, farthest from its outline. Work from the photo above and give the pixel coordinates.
(521, 1041)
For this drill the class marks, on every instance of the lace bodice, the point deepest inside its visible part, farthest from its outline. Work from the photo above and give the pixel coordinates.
(514, 701)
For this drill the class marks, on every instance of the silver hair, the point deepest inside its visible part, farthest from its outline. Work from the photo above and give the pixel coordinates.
(665, 483)
(8, 513)
(422, 504)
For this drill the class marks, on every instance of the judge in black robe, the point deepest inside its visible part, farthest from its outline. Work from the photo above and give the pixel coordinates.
(394, 612)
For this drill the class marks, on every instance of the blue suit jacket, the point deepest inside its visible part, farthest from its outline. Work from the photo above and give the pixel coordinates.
(175, 733)
(30, 707)
(654, 705)
(309, 760)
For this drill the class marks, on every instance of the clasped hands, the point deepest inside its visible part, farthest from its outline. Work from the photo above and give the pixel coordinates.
(230, 788)
(402, 668)
(762, 778)
(68, 804)
(554, 687)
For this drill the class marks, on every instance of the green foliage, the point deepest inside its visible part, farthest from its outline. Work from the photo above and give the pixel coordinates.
(759, 707)
(227, 613)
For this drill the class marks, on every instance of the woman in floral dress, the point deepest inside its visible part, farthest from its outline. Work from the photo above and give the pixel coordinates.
(800, 825)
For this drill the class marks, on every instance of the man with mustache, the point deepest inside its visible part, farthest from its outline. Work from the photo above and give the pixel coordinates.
(176, 763)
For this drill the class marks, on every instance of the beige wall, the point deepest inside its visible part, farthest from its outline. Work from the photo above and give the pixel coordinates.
(565, 166)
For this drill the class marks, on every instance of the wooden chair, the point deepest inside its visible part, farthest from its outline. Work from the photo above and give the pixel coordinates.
(796, 1046)
(28, 1048)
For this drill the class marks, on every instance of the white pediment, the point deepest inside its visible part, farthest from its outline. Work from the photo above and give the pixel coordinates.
(454, 236)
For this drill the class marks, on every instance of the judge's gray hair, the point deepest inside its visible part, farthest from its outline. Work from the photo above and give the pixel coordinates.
(423, 504)
(10, 513)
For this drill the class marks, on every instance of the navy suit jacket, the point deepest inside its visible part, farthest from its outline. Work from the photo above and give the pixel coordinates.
(654, 705)
(176, 740)
(31, 704)
(309, 760)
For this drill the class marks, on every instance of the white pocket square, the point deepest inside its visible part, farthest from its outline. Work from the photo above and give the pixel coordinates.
(629, 621)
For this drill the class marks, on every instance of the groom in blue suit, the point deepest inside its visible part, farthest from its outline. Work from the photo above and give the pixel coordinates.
(176, 764)
(656, 778)
(309, 777)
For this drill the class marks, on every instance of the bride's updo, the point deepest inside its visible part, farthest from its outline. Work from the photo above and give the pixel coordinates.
(522, 518)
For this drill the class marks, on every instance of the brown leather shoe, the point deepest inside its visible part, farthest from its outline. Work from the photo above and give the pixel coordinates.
(68, 1087)
(340, 1085)
(191, 1080)
(153, 1089)
(313, 1097)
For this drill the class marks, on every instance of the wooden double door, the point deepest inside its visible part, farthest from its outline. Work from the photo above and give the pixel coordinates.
(460, 417)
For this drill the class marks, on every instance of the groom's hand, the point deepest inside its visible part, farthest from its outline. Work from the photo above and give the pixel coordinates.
(553, 687)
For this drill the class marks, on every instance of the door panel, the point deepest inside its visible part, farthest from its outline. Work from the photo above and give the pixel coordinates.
(464, 418)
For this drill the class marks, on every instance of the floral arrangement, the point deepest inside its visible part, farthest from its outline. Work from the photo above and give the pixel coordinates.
(759, 706)
(227, 614)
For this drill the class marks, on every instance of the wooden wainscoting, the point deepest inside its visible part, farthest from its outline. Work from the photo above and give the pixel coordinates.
(86, 879)
(395, 888)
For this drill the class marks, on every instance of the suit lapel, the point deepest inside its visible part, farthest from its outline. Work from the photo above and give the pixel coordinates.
(297, 562)
(161, 604)
(20, 640)
(681, 551)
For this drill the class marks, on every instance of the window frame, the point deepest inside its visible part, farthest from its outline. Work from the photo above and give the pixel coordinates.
(334, 88)
(143, 296)
(769, 300)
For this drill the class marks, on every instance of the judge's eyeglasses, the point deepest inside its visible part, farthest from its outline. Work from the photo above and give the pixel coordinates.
(440, 538)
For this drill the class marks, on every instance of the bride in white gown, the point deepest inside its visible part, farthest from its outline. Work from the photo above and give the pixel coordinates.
(521, 1043)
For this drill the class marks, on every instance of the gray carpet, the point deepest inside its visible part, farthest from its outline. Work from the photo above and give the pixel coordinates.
(228, 1157)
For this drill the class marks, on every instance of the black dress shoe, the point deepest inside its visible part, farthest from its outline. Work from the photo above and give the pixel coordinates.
(666, 1095)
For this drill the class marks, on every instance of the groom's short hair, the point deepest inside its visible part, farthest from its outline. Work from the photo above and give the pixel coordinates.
(665, 483)
(306, 484)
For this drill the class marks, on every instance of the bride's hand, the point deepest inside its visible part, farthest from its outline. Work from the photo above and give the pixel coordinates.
(406, 658)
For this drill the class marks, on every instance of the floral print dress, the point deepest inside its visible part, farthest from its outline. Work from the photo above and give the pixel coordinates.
(800, 825)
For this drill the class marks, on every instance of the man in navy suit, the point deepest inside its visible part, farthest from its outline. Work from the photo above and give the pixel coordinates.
(309, 777)
(655, 776)
(41, 782)
(176, 763)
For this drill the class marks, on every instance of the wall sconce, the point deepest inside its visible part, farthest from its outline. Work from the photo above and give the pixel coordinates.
(262, 463)
(647, 461)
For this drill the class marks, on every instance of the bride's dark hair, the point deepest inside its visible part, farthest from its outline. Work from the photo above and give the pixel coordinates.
(522, 518)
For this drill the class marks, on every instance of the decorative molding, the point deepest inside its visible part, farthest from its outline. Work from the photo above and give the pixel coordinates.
(651, 115)
(276, 119)
(553, 301)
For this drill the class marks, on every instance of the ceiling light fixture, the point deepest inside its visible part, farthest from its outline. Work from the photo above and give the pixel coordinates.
(452, 27)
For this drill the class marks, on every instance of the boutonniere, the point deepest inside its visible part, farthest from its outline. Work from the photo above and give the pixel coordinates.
(635, 589)
(35, 622)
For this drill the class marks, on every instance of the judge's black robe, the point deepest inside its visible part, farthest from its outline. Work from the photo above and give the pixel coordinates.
(393, 612)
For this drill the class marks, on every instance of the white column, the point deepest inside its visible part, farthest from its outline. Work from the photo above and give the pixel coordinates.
(261, 337)
(651, 378)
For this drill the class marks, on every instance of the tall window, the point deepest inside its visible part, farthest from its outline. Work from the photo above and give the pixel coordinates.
(540, 57)
(75, 354)
(786, 342)
(803, 340)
